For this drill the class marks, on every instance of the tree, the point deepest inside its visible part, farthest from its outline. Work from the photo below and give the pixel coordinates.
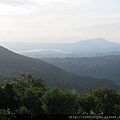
(8, 97)
(6, 114)
(27, 80)
(61, 101)
(23, 94)
(32, 100)
(107, 101)
(87, 103)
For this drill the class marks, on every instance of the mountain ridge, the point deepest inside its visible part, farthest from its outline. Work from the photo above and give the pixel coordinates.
(13, 65)
(85, 48)
(99, 41)
(21, 45)
(99, 67)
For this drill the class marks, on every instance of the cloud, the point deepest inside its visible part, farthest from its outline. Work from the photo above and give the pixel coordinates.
(56, 3)
(58, 19)
(17, 2)
(6, 9)
(33, 2)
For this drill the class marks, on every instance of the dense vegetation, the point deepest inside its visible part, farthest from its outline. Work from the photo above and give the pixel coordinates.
(100, 67)
(29, 96)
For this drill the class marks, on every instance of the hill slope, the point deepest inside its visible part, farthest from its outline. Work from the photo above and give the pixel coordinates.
(101, 67)
(12, 65)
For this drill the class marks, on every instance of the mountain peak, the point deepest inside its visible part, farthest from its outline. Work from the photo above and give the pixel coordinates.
(99, 39)
(93, 40)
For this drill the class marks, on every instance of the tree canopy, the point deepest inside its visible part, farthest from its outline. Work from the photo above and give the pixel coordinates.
(30, 95)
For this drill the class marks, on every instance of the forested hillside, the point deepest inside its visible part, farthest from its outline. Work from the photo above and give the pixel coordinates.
(13, 65)
(100, 67)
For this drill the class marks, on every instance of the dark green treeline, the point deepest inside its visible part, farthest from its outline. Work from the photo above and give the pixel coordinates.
(30, 95)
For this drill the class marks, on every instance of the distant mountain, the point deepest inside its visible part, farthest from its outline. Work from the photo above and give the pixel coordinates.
(99, 42)
(13, 65)
(100, 67)
(85, 48)
(100, 45)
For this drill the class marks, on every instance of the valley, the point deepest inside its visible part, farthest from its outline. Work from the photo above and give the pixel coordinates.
(85, 48)
(78, 66)
(13, 65)
(106, 67)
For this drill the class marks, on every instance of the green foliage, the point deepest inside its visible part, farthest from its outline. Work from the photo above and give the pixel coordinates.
(6, 114)
(87, 103)
(104, 101)
(61, 101)
(7, 97)
(29, 95)
(26, 81)
(32, 100)
(23, 94)
(107, 101)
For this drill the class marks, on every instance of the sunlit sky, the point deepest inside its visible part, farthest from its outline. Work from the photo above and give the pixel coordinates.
(59, 20)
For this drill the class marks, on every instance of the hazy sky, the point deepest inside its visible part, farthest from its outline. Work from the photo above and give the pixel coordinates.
(59, 20)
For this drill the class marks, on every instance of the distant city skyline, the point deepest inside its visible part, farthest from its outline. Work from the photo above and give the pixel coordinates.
(59, 21)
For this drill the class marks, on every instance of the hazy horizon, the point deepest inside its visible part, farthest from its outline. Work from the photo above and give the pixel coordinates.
(58, 42)
(59, 21)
